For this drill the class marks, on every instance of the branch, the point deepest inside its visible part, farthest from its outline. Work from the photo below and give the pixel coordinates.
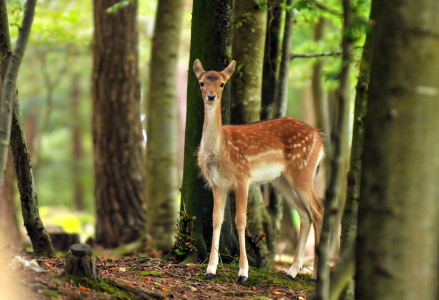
(313, 55)
(325, 8)
(10, 83)
(335, 53)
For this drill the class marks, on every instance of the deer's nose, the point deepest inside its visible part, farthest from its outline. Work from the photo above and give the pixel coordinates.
(211, 97)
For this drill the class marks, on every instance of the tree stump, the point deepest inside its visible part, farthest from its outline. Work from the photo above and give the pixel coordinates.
(79, 262)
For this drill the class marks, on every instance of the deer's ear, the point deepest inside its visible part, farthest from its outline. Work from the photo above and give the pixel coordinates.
(230, 69)
(198, 68)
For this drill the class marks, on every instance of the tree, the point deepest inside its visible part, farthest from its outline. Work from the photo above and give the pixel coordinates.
(117, 130)
(77, 144)
(211, 44)
(249, 44)
(12, 130)
(162, 178)
(397, 241)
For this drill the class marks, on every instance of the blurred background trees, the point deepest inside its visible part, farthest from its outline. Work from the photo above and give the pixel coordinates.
(57, 77)
(58, 107)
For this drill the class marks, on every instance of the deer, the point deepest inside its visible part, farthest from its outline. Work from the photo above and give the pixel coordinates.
(285, 152)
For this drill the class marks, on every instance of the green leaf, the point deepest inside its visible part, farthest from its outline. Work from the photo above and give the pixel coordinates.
(117, 6)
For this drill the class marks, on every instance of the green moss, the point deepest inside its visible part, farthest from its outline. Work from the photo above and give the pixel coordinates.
(100, 285)
(149, 273)
(51, 293)
(260, 278)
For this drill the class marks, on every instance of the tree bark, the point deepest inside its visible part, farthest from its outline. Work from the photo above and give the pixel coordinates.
(162, 174)
(397, 241)
(117, 130)
(78, 148)
(248, 51)
(40, 239)
(341, 130)
(246, 98)
(271, 60)
(212, 45)
(9, 232)
(287, 42)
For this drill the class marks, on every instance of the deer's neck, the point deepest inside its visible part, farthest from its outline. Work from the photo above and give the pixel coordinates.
(213, 137)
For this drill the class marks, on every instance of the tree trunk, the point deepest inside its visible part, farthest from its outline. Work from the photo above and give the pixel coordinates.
(271, 61)
(117, 130)
(350, 212)
(397, 241)
(162, 178)
(78, 148)
(282, 89)
(212, 45)
(338, 159)
(9, 232)
(248, 51)
(41, 241)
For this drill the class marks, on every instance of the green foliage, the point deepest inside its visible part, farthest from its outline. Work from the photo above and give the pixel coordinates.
(240, 20)
(117, 6)
(262, 5)
(184, 243)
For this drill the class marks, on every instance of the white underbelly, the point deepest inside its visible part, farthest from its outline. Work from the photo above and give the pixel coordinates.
(266, 173)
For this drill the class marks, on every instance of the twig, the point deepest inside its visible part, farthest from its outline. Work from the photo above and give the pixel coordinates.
(173, 274)
(313, 55)
(325, 8)
(136, 291)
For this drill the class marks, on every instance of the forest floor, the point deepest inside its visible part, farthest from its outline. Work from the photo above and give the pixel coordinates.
(143, 278)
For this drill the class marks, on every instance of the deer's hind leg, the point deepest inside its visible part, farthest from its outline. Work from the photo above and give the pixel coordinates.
(303, 202)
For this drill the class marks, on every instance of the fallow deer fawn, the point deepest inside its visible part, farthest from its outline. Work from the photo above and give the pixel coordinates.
(285, 152)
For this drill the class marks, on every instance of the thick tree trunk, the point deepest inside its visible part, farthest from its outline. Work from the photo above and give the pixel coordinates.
(162, 178)
(212, 45)
(248, 51)
(397, 242)
(117, 130)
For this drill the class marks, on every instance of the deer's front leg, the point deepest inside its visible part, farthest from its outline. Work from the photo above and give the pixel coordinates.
(241, 195)
(219, 201)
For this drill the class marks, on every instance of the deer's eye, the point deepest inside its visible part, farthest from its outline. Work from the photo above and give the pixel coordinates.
(201, 84)
(222, 85)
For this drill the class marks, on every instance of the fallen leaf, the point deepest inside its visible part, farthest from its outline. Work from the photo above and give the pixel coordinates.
(83, 288)
(164, 288)
(147, 278)
(277, 292)
(129, 283)
(122, 270)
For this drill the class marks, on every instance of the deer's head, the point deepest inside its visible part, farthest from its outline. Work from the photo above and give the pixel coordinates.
(211, 82)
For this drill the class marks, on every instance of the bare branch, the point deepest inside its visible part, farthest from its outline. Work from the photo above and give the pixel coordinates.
(325, 8)
(313, 55)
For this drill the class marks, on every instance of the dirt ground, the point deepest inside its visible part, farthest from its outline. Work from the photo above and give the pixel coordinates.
(143, 278)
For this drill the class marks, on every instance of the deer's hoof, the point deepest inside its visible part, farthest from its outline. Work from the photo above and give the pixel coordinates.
(209, 276)
(242, 278)
(289, 276)
(313, 280)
